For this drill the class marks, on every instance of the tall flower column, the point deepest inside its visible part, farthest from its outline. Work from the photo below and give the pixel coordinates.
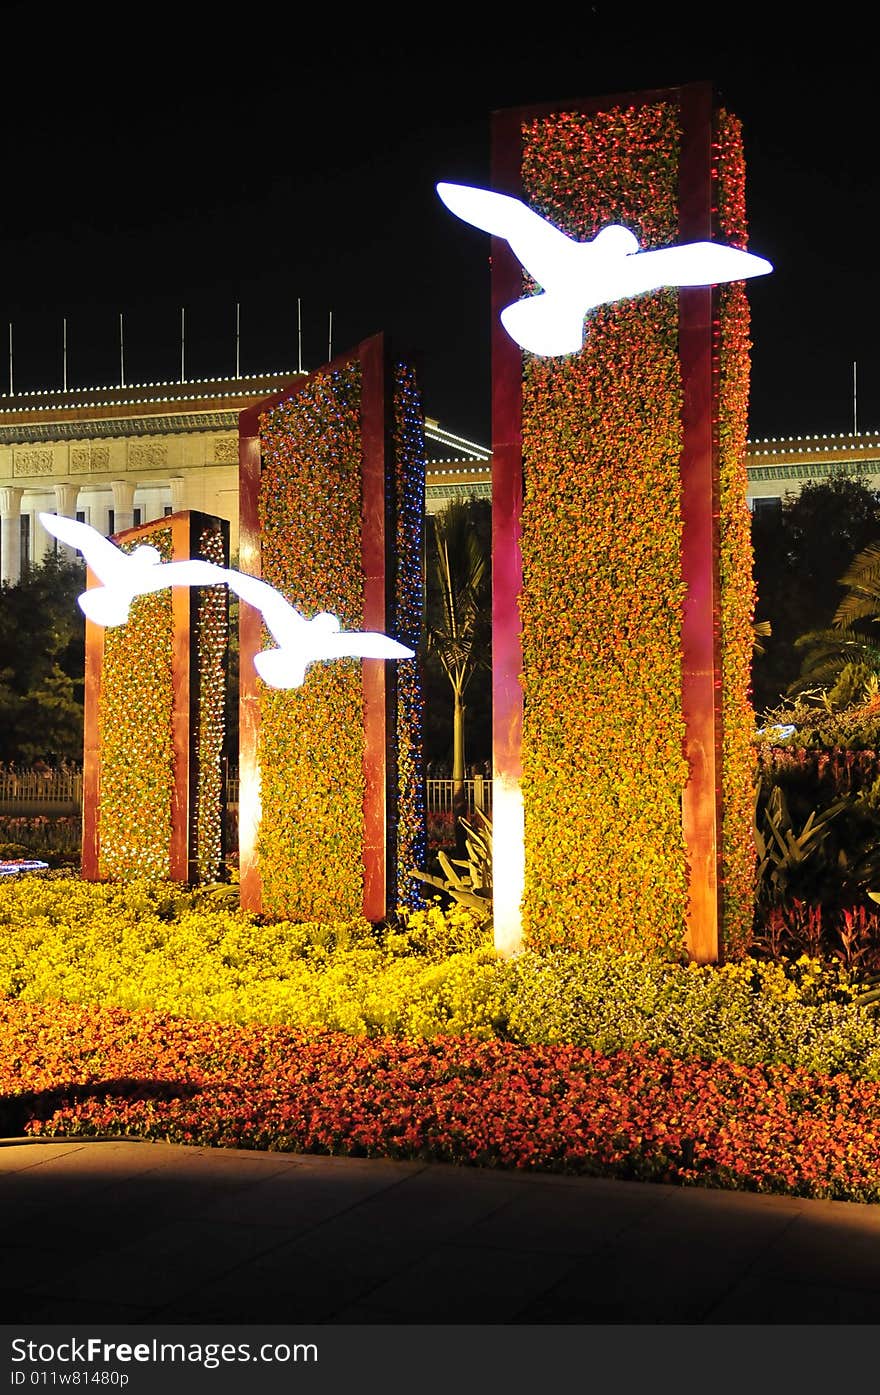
(331, 802)
(621, 554)
(153, 767)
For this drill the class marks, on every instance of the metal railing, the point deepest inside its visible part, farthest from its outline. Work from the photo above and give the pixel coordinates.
(41, 787)
(55, 787)
(477, 792)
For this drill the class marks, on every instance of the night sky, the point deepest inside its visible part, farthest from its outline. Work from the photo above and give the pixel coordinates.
(180, 157)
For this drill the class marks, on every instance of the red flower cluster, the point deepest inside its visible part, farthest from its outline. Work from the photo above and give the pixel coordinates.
(635, 1114)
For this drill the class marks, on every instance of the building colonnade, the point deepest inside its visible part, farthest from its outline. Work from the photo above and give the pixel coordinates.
(127, 502)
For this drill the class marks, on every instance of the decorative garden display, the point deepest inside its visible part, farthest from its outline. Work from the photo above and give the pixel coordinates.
(331, 796)
(622, 579)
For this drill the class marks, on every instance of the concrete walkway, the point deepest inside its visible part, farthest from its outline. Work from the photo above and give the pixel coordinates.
(154, 1233)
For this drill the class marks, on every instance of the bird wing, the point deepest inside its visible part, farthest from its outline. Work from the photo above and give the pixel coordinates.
(692, 264)
(286, 667)
(361, 644)
(281, 668)
(103, 556)
(545, 324)
(545, 251)
(193, 572)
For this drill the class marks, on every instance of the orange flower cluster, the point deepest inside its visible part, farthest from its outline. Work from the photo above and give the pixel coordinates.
(211, 635)
(135, 713)
(601, 612)
(737, 583)
(80, 1070)
(135, 716)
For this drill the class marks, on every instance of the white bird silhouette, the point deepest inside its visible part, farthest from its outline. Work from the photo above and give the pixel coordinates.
(302, 642)
(578, 276)
(124, 575)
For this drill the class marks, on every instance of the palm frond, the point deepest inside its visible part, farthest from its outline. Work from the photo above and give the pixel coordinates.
(862, 577)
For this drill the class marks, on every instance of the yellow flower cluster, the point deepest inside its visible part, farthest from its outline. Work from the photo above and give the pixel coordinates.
(152, 948)
(601, 541)
(149, 946)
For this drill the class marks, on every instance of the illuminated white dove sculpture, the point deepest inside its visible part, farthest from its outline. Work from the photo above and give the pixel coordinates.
(124, 575)
(302, 642)
(578, 276)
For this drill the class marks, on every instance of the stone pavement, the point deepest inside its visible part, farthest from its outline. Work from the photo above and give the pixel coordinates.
(130, 1232)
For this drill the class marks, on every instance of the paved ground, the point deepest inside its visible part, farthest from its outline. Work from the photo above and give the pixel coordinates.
(154, 1233)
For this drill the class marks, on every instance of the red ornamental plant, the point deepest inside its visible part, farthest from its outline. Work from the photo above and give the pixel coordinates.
(634, 1114)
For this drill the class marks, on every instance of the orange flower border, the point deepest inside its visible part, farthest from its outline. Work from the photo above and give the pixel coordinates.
(649, 1116)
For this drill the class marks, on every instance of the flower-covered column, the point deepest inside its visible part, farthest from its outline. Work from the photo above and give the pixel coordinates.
(622, 561)
(153, 767)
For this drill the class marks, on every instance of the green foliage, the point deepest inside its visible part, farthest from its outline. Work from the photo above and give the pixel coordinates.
(819, 726)
(458, 631)
(788, 859)
(797, 1014)
(800, 556)
(847, 661)
(42, 646)
(472, 886)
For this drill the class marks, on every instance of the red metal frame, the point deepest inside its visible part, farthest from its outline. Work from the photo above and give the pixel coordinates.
(701, 696)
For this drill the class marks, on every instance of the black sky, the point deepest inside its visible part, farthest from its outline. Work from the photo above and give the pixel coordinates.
(181, 156)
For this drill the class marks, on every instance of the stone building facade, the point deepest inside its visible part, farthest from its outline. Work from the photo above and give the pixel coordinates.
(114, 457)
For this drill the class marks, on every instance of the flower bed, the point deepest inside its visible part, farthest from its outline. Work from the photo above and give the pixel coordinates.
(635, 1114)
(157, 948)
(148, 1010)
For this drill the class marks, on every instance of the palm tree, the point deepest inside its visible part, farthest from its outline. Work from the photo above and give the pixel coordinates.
(830, 651)
(458, 629)
(863, 580)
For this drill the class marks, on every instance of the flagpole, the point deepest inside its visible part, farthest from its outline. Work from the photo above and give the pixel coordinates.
(299, 334)
(121, 353)
(11, 392)
(64, 353)
(182, 343)
(238, 339)
(330, 338)
(855, 403)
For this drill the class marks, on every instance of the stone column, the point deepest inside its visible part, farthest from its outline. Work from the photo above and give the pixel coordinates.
(42, 541)
(10, 534)
(66, 496)
(178, 493)
(123, 504)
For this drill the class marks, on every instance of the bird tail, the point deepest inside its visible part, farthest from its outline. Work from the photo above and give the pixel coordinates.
(104, 607)
(279, 670)
(545, 324)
